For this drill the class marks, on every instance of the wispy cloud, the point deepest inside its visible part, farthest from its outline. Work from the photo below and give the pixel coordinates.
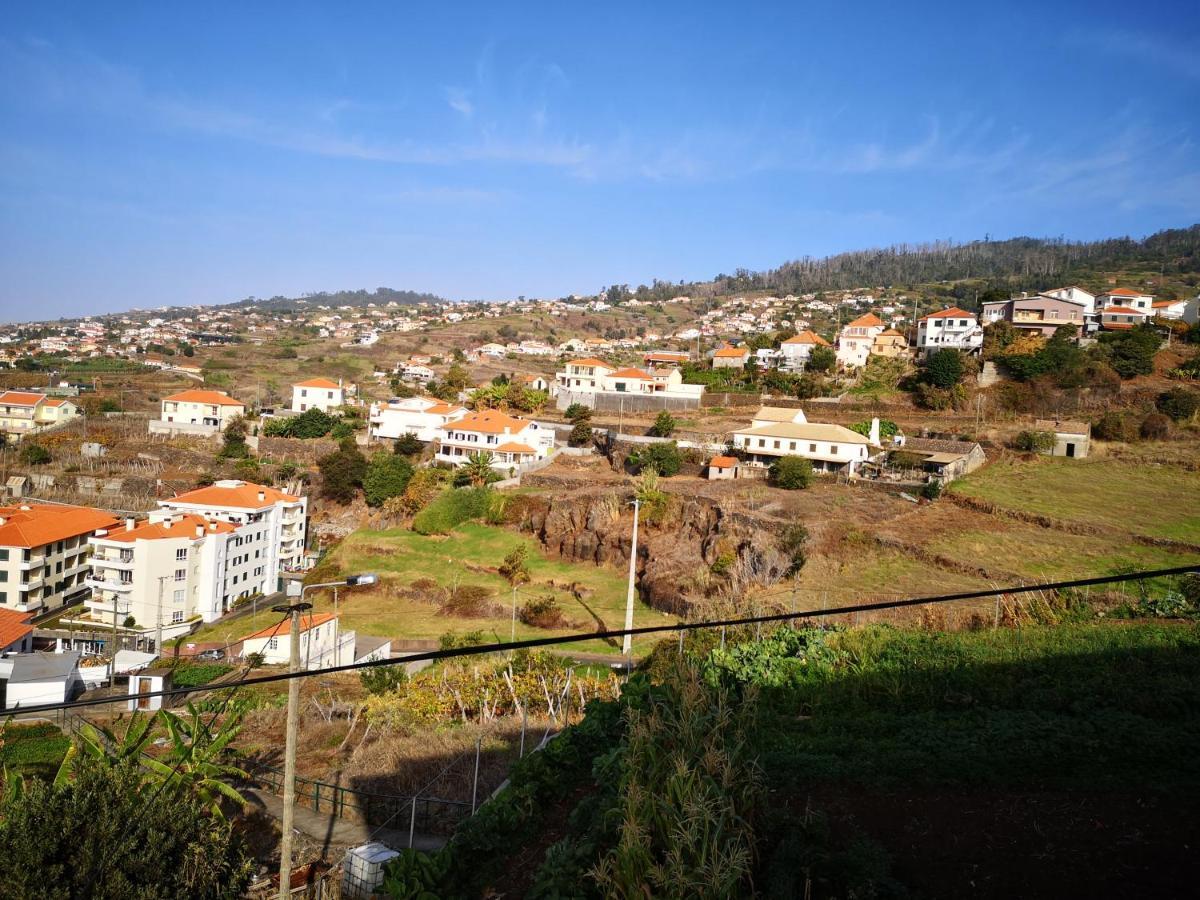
(459, 101)
(1144, 47)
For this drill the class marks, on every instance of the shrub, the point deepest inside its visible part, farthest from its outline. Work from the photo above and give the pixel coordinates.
(312, 423)
(1155, 427)
(944, 368)
(577, 412)
(422, 488)
(887, 428)
(468, 601)
(1035, 441)
(387, 476)
(664, 425)
(450, 509)
(542, 612)
(1178, 403)
(382, 679)
(34, 454)
(452, 641)
(822, 359)
(408, 444)
(1131, 353)
(1116, 426)
(794, 542)
(581, 434)
(342, 474)
(792, 473)
(515, 567)
(663, 457)
(932, 490)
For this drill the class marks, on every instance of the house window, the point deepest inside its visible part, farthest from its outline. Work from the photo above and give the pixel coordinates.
(812, 448)
(777, 445)
(4, 555)
(181, 554)
(761, 442)
(179, 596)
(3, 575)
(177, 616)
(833, 450)
(181, 574)
(3, 596)
(273, 644)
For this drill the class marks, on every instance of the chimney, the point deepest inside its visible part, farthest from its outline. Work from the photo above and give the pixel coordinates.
(873, 437)
(262, 496)
(129, 524)
(199, 531)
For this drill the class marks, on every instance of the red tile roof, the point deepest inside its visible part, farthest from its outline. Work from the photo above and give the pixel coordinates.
(487, 421)
(1122, 310)
(183, 527)
(952, 313)
(1124, 292)
(870, 320)
(13, 627)
(731, 352)
(631, 373)
(514, 447)
(285, 627)
(212, 398)
(808, 337)
(318, 383)
(243, 495)
(21, 398)
(35, 525)
(723, 462)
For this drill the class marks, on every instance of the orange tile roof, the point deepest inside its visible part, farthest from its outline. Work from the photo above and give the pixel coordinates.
(21, 398)
(13, 627)
(1124, 292)
(514, 447)
(631, 373)
(1122, 310)
(1158, 304)
(952, 313)
(867, 321)
(487, 421)
(723, 462)
(807, 337)
(184, 527)
(244, 495)
(890, 332)
(731, 352)
(589, 361)
(34, 525)
(442, 409)
(213, 398)
(318, 383)
(284, 628)
(56, 401)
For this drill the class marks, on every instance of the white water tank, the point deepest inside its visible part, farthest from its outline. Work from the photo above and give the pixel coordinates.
(362, 869)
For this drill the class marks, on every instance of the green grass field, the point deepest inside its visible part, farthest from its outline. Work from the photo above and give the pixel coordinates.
(36, 749)
(1158, 501)
(467, 556)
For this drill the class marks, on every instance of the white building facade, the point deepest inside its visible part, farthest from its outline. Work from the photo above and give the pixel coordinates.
(512, 442)
(44, 554)
(317, 393)
(422, 417)
(950, 329)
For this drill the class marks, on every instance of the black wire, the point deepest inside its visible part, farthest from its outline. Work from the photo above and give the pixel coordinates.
(483, 649)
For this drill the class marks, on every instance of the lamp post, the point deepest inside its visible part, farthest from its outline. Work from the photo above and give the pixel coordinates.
(293, 723)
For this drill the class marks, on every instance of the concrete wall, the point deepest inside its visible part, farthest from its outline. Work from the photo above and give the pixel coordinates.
(630, 403)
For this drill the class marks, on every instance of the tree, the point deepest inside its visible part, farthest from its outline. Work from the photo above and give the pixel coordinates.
(1155, 427)
(515, 567)
(1131, 353)
(387, 475)
(1178, 403)
(945, 368)
(478, 468)
(577, 412)
(234, 440)
(194, 763)
(664, 425)
(457, 378)
(581, 434)
(109, 834)
(342, 474)
(792, 473)
(422, 488)
(822, 359)
(408, 444)
(1035, 441)
(887, 429)
(34, 454)
(382, 679)
(662, 457)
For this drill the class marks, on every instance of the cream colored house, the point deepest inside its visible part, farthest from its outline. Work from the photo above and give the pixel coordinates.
(856, 340)
(317, 393)
(213, 409)
(795, 351)
(890, 344)
(321, 644)
(27, 412)
(44, 553)
(512, 442)
(584, 375)
(422, 417)
(832, 448)
(730, 357)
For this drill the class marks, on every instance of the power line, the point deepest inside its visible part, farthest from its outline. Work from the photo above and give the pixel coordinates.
(484, 649)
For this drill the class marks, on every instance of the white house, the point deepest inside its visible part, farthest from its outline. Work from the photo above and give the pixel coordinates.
(856, 339)
(774, 415)
(1169, 309)
(415, 371)
(796, 350)
(44, 553)
(730, 357)
(950, 329)
(494, 350)
(317, 393)
(511, 441)
(1074, 294)
(37, 678)
(1125, 298)
(210, 409)
(535, 382)
(1191, 310)
(422, 417)
(1120, 318)
(183, 568)
(25, 412)
(321, 645)
(583, 375)
(832, 448)
(274, 542)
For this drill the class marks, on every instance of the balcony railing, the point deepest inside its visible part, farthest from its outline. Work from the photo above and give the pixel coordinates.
(105, 584)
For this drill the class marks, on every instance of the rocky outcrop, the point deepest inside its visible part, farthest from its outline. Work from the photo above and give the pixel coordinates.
(699, 549)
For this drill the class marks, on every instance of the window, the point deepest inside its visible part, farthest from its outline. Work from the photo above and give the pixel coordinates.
(761, 442)
(177, 616)
(181, 574)
(179, 596)
(777, 445)
(4, 555)
(181, 553)
(273, 644)
(3, 575)
(3, 596)
(812, 448)
(833, 450)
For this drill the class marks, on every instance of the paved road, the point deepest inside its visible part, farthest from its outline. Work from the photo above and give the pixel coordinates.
(333, 831)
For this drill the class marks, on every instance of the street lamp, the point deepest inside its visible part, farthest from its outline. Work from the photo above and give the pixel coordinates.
(293, 720)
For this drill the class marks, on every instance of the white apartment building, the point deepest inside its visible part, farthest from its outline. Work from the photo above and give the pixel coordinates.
(211, 409)
(583, 375)
(181, 567)
(44, 554)
(321, 644)
(795, 351)
(511, 441)
(317, 393)
(419, 416)
(950, 329)
(274, 540)
(856, 339)
(831, 448)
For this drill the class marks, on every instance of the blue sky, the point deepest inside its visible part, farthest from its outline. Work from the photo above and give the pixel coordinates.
(152, 153)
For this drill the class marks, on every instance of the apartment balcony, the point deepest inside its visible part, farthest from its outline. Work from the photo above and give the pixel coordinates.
(104, 584)
(124, 565)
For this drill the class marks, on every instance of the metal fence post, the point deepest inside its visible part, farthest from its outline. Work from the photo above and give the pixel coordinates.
(475, 781)
(412, 822)
(722, 637)
(524, 720)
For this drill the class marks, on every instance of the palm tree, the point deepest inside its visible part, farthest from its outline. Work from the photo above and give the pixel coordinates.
(479, 468)
(102, 743)
(194, 761)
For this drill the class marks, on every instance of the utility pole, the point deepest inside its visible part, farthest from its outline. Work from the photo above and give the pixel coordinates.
(289, 759)
(627, 643)
(158, 620)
